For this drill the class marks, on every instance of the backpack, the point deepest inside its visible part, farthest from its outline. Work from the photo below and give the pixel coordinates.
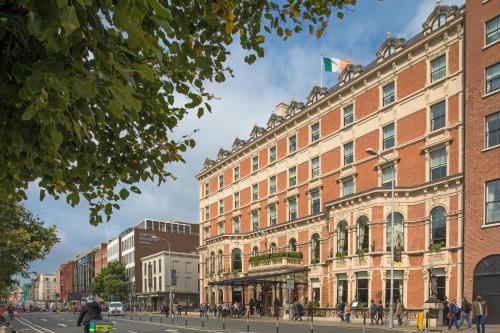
(467, 307)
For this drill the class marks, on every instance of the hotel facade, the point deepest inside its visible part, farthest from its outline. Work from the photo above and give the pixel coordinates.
(302, 200)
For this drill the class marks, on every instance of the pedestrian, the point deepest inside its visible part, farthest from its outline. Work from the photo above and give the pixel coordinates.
(373, 311)
(465, 313)
(347, 312)
(89, 312)
(380, 313)
(299, 311)
(480, 313)
(10, 311)
(399, 311)
(452, 315)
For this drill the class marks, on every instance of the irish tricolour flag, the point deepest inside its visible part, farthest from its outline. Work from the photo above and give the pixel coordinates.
(334, 64)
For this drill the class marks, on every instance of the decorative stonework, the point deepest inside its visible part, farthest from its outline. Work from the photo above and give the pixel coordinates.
(390, 41)
(439, 10)
(350, 68)
(222, 154)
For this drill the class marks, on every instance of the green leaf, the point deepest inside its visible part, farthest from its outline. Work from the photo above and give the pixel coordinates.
(30, 112)
(69, 20)
(124, 193)
(135, 189)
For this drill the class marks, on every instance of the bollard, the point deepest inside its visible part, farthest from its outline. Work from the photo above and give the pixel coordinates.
(140, 317)
(223, 323)
(364, 322)
(248, 321)
(130, 316)
(161, 319)
(277, 326)
(186, 322)
(172, 320)
(312, 321)
(150, 317)
(202, 322)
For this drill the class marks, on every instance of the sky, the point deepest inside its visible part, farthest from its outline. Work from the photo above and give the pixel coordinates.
(287, 72)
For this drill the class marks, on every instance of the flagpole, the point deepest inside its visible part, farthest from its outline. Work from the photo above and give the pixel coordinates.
(321, 70)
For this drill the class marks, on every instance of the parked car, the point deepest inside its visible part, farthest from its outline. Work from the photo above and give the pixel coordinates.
(116, 309)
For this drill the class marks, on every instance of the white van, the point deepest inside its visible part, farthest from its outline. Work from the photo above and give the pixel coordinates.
(116, 309)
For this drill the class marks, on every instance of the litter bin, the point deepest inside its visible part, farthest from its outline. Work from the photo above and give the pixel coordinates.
(100, 326)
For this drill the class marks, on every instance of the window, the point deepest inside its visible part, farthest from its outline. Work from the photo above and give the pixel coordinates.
(438, 226)
(292, 176)
(342, 239)
(236, 225)
(272, 154)
(362, 235)
(255, 220)
(160, 286)
(220, 228)
(212, 263)
(272, 247)
(221, 181)
(438, 68)
(255, 251)
(315, 291)
(388, 136)
(220, 262)
(315, 167)
(237, 200)
(236, 260)
(315, 249)
(493, 130)
(398, 287)
(255, 192)
(207, 189)
(236, 173)
(493, 78)
(398, 232)
(342, 288)
(207, 232)
(362, 287)
(438, 275)
(348, 153)
(438, 164)
(159, 265)
(390, 50)
(272, 185)
(438, 22)
(292, 245)
(292, 144)
(348, 114)
(349, 76)
(347, 187)
(207, 213)
(388, 94)
(255, 163)
(315, 132)
(292, 209)
(315, 202)
(438, 116)
(272, 215)
(388, 177)
(493, 30)
(221, 206)
(493, 201)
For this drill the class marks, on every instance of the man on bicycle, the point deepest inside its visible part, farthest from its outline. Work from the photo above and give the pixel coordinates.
(90, 311)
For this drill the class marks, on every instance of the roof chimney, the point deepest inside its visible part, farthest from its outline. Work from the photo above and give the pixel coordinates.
(281, 109)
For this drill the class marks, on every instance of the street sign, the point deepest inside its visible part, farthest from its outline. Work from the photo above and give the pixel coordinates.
(290, 283)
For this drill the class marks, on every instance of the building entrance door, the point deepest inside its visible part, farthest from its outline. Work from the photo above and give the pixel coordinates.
(487, 285)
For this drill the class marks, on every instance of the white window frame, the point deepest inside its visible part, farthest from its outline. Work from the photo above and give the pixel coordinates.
(236, 199)
(312, 201)
(255, 192)
(430, 162)
(486, 81)
(344, 187)
(486, 202)
(486, 31)
(294, 137)
(273, 220)
(432, 71)
(255, 166)
(393, 136)
(236, 173)
(292, 199)
(393, 83)
(486, 144)
(221, 206)
(221, 182)
(315, 171)
(255, 219)
(272, 185)
(272, 154)
(351, 143)
(236, 222)
(294, 177)
(315, 132)
(432, 119)
(351, 116)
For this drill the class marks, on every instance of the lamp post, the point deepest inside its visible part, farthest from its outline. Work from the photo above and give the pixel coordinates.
(169, 273)
(370, 151)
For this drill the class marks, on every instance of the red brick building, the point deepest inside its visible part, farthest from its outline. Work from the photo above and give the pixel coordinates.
(302, 198)
(101, 257)
(482, 154)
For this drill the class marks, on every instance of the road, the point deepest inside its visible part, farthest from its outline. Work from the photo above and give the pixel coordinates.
(66, 323)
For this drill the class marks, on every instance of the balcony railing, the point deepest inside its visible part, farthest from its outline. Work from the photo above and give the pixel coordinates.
(287, 258)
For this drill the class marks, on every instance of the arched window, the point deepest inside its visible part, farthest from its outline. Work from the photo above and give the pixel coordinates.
(255, 251)
(220, 262)
(362, 234)
(212, 263)
(207, 265)
(438, 226)
(342, 238)
(398, 232)
(349, 76)
(272, 247)
(315, 249)
(438, 22)
(390, 50)
(236, 260)
(292, 245)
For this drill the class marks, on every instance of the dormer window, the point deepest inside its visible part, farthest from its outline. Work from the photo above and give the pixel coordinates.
(390, 50)
(438, 22)
(349, 76)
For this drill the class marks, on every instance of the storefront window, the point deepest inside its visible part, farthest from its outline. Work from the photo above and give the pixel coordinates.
(341, 288)
(398, 287)
(316, 291)
(362, 288)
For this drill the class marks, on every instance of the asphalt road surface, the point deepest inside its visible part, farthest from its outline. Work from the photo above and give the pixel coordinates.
(66, 323)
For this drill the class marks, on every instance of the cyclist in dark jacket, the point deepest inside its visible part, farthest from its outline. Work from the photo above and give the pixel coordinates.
(90, 311)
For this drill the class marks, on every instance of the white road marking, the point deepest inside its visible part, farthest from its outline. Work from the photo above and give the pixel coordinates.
(34, 326)
(131, 332)
(63, 325)
(171, 330)
(43, 319)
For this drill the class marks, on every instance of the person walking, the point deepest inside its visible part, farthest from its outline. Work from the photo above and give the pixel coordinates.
(341, 310)
(452, 315)
(347, 312)
(380, 313)
(480, 313)
(373, 311)
(90, 311)
(10, 311)
(399, 311)
(465, 313)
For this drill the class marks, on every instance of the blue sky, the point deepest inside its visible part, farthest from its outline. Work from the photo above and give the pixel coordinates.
(287, 71)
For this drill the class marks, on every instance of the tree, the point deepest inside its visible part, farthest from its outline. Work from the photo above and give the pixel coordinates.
(92, 90)
(111, 281)
(23, 239)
